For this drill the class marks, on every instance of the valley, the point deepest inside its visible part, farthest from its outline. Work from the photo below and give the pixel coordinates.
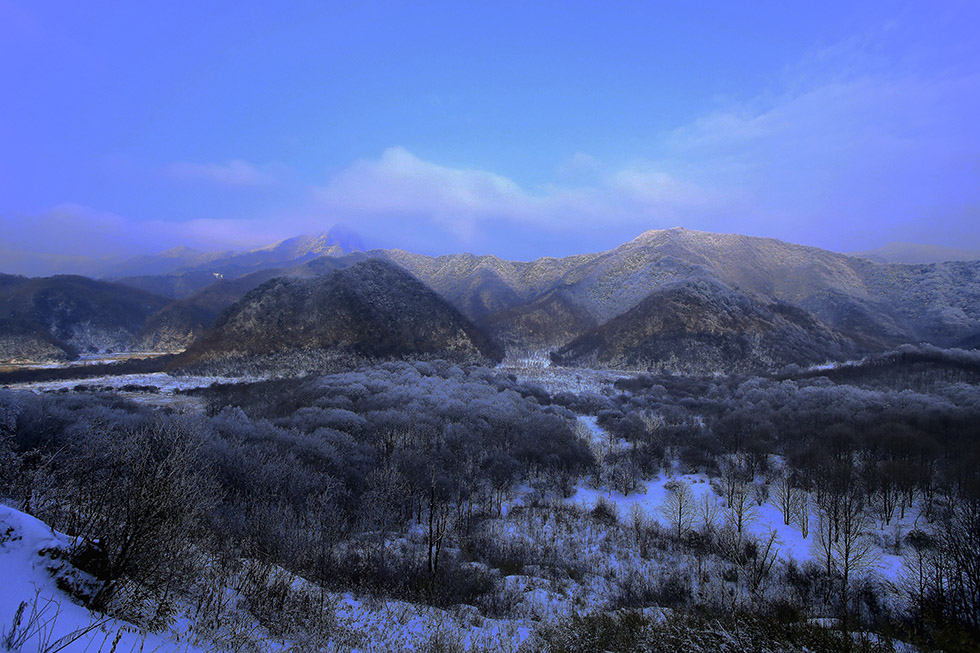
(489, 327)
(692, 442)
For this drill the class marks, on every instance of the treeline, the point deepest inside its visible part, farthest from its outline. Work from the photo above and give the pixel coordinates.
(912, 367)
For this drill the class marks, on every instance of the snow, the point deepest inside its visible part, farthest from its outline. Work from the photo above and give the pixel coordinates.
(648, 500)
(537, 369)
(371, 624)
(767, 517)
(167, 384)
(24, 569)
(402, 626)
(836, 365)
(362, 624)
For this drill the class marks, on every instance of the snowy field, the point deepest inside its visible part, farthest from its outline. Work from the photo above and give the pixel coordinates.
(164, 382)
(557, 558)
(85, 360)
(763, 518)
(536, 368)
(156, 389)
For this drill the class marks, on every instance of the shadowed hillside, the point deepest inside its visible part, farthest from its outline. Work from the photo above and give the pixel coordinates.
(55, 318)
(371, 310)
(702, 326)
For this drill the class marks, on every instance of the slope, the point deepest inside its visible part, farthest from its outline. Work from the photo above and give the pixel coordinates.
(702, 326)
(56, 317)
(371, 310)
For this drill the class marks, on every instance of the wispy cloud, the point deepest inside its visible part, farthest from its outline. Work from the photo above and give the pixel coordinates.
(74, 238)
(399, 184)
(852, 148)
(233, 173)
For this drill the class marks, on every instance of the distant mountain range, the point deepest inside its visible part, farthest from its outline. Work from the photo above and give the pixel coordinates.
(671, 298)
(181, 271)
(912, 253)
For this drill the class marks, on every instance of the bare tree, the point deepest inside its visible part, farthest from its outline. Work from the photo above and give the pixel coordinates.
(782, 495)
(800, 510)
(734, 473)
(740, 511)
(136, 520)
(679, 507)
(759, 565)
(842, 540)
(853, 549)
(708, 513)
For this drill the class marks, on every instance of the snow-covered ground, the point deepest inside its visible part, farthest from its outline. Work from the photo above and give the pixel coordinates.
(651, 497)
(373, 624)
(166, 394)
(401, 626)
(166, 383)
(84, 360)
(49, 615)
(764, 518)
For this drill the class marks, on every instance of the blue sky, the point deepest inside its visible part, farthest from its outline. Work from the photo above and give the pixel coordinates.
(519, 129)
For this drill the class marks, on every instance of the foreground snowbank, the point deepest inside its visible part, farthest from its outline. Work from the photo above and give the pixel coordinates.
(35, 615)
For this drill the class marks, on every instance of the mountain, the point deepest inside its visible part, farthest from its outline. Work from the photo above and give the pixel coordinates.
(181, 271)
(702, 326)
(552, 318)
(55, 318)
(371, 310)
(482, 285)
(878, 305)
(547, 303)
(166, 262)
(284, 253)
(175, 286)
(179, 323)
(913, 253)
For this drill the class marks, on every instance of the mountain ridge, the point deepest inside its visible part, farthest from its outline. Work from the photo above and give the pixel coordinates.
(547, 303)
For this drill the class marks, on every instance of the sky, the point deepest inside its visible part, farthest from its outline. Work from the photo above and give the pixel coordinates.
(513, 128)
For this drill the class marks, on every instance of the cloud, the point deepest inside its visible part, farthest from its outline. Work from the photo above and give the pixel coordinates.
(234, 173)
(852, 150)
(400, 183)
(467, 203)
(79, 239)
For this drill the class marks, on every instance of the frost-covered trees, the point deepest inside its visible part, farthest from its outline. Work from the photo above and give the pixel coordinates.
(146, 515)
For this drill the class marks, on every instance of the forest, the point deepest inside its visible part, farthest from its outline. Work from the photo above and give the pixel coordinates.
(259, 517)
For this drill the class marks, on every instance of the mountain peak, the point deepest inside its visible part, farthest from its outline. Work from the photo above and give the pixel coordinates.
(373, 309)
